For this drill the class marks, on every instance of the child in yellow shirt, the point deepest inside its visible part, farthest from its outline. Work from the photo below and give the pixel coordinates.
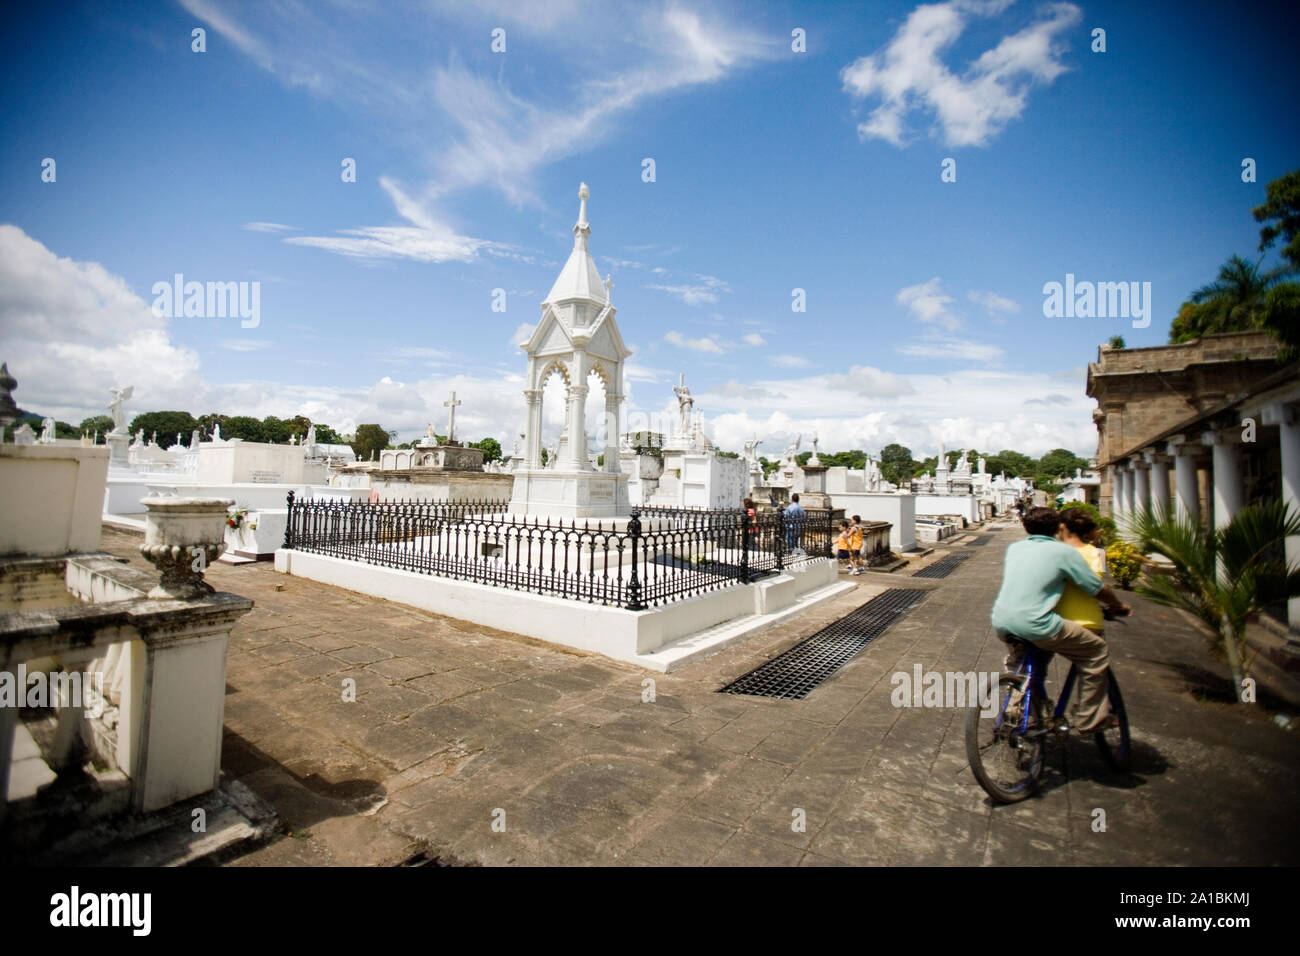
(1078, 530)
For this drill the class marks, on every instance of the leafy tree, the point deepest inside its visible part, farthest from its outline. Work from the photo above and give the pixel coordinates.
(96, 423)
(896, 464)
(327, 436)
(1058, 463)
(242, 426)
(37, 423)
(1233, 302)
(369, 440)
(166, 424)
(1117, 342)
(276, 430)
(1281, 209)
(1012, 463)
(491, 449)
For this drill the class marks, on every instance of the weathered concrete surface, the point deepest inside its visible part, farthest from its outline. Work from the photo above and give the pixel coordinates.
(453, 723)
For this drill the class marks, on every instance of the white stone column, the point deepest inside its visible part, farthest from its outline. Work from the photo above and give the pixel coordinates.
(1186, 489)
(1116, 492)
(577, 448)
(1124, 494)
(1159, 484)
(1141, 488)
(533, 428)
(1229, 494)
(613, 404)
(1287, 419)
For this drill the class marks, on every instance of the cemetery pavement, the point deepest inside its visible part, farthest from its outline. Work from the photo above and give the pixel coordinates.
(476, 746)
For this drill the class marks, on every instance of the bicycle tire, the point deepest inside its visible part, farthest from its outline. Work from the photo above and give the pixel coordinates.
(1026, 755)
(1115, 745)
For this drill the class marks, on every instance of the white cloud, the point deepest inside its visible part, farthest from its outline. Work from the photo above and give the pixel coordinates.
(710, 345)
(523, 332)
(969, 108)
(246, 345)
(929, 304)
(952, 349)
(993, 303)
(269, 227)
(426, 240)
(753, 338)
(703, 289)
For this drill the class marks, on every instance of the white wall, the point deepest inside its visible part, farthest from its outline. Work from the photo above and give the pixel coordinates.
(235, 462)
(50, 498)
(965, 505)
(898, 510)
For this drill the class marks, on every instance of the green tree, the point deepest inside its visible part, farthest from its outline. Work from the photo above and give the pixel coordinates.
(327, 436)
(369, 440)
(208, 422)
(896, 464)
(491, 449)
(1012, 463)
(166, 424)
(242, 426)
(276, 430)
(1116, 342)
(1233, 302)
(1281, 210)
(1223, 575)
(1058, 463)
(96, 423)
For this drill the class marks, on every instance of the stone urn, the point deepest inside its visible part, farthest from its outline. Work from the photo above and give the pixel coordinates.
(182, 537)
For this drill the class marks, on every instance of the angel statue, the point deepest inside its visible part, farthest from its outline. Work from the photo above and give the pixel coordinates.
(120, 395)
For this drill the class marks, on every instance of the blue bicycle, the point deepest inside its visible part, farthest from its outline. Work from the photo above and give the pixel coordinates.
(1006, 748)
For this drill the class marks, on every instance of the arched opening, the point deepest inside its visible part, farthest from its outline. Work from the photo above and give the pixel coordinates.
(555, 395)
(598, 441)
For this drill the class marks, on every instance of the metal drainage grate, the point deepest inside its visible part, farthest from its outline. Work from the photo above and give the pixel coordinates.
(981, 540)
(944, 566)
(794, 674)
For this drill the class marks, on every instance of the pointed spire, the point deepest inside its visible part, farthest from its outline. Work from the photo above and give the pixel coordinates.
(582, 228)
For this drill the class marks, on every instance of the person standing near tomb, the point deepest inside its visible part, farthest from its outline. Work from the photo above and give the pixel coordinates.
(842, 544)
(795, 516)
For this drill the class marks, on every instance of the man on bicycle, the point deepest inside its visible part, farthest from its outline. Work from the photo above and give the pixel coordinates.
(1033, 578)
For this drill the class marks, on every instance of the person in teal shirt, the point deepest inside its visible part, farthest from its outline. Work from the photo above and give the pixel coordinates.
(1033, 577)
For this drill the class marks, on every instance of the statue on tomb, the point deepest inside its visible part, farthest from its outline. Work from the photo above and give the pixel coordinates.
(120, 395)
(685, 404)
(178, 439)
(153, 439)
(196, 439)
(23, 435)
(293, 439)
(310, 440)
(814, 460)
(793, 448)
(554, 455)
(139, 439)
(982, 465)
(47, 432)
(514, 452)
(751, 450)
(216, 433)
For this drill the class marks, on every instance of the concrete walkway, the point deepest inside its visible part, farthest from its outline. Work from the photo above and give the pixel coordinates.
(476, 746)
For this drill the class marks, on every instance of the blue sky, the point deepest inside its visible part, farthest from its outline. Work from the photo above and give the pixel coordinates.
(775, 170)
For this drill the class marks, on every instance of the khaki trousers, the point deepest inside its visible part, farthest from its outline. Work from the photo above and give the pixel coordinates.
(1087, 651)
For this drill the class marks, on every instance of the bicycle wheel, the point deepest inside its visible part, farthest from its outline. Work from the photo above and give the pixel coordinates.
(1113, 743)
(1005, 760)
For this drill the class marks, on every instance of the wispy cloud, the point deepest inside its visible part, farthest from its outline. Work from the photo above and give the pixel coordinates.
(952, 349)
(269, 227)
(703, 290)
(707, 344)
(992, 303)
(972, 107)
(928, 303)
(790, 361)
(245, 345)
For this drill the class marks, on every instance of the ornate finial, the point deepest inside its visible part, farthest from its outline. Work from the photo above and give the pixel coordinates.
(583, 194)
(609, 289)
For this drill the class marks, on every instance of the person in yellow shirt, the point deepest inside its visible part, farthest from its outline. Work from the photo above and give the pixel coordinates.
(1077, 530)
(855, 547)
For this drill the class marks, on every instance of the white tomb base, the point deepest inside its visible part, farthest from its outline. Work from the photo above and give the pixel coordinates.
(661, 638)
(570, 494)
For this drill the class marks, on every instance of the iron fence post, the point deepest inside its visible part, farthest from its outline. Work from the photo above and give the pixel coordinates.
(634, 582)
(288, 525)
(780, 537)
(744, 547)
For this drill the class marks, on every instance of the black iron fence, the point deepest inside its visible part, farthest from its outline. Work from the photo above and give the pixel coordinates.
(657, 556)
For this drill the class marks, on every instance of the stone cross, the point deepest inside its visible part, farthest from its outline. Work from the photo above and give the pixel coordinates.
(451, 404)
(609, 289)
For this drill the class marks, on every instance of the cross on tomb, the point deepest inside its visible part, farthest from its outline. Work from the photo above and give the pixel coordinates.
(451, 404)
